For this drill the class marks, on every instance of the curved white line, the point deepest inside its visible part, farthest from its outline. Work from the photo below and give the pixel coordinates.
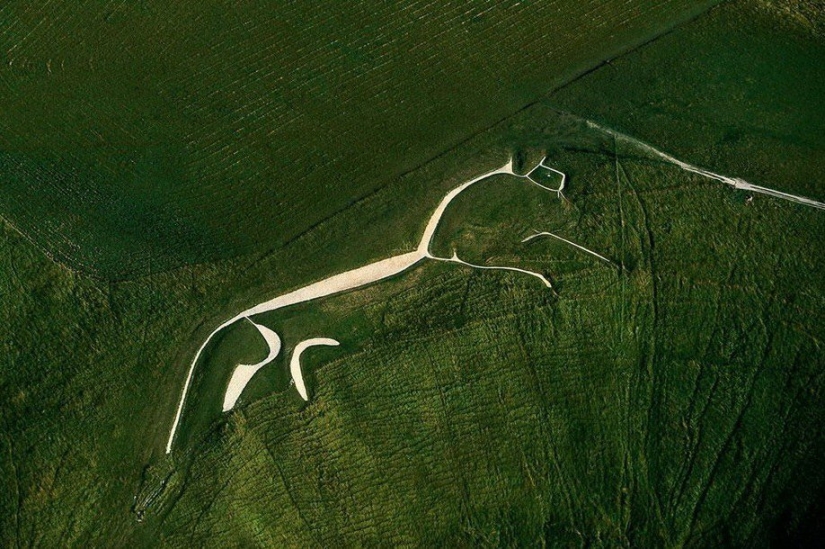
(243, 372)
(295, 361)
(432, 224)
(456, 259)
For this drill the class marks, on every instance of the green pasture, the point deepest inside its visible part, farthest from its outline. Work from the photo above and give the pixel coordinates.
(199, 159)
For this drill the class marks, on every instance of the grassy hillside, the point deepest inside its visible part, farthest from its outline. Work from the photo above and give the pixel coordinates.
(670, 399)
(190, 132)
(675, 402)
(743, 95)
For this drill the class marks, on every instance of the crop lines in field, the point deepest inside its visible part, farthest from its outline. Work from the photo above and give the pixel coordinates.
(262, 107)
(368, 69)
(371, 77)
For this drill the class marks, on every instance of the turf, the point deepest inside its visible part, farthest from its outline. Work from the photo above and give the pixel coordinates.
(672, 401)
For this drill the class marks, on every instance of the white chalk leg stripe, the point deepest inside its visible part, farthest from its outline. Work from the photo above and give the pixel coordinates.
(295, 362)
(243, 372)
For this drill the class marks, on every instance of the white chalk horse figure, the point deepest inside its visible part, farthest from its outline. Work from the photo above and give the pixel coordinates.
(349, 280)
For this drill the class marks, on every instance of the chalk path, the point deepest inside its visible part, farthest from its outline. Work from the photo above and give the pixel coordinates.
(345, 281)
(734, 182)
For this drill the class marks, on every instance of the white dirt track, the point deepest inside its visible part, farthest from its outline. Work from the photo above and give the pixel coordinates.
(734, 182)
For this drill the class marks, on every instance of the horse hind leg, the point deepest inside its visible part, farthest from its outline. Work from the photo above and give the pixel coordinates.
(243, 373)
(295, 361)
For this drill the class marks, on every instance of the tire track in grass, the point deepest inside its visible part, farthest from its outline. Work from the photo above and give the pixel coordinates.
(538, 390)
(693, 453)
(649, 350)
(626, 483)
(755, 461)
(686, 470)
(709, 480)
(623, 236)
(787, 445)
(18, 497)
(310, 529)
(458, 471)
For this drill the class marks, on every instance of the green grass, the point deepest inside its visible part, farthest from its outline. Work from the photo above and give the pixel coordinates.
(482, 409)
(191, 133)
(742, 96)
(673, 402)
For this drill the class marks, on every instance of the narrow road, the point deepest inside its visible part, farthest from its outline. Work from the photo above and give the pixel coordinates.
(734, 182)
